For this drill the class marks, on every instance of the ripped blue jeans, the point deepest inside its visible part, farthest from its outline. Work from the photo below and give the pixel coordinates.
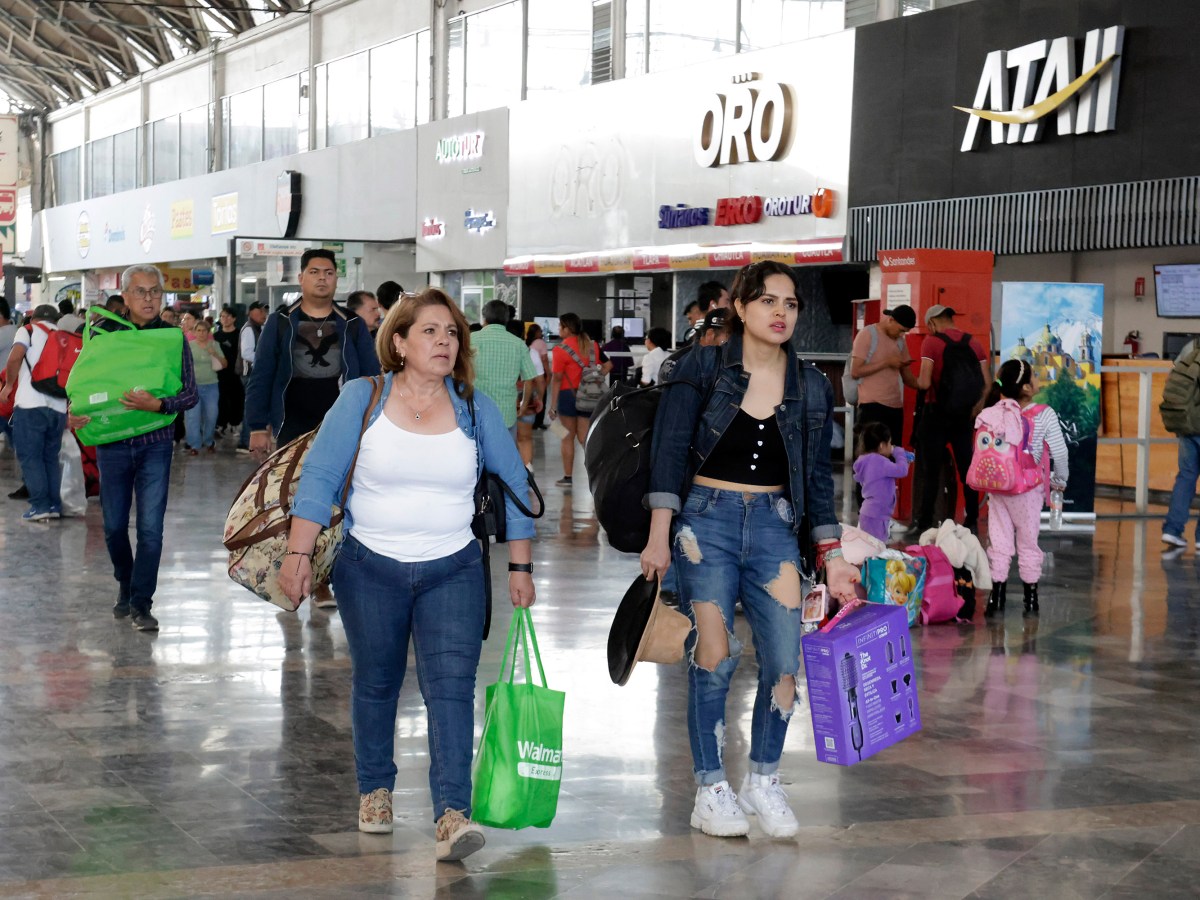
(726, 546)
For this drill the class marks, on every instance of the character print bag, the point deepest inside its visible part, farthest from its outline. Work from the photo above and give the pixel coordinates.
(896, 578)
(518, 769)
(1001, 462)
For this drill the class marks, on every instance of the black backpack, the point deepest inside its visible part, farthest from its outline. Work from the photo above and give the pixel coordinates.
(960, 386)
(617, 458)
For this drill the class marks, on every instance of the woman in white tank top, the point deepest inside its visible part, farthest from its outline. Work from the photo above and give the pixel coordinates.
(409, 565)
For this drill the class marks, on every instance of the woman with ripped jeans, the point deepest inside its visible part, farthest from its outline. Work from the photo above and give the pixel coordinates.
(739, 461)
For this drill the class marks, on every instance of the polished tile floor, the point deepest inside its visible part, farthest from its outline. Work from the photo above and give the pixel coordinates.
(1058, 759)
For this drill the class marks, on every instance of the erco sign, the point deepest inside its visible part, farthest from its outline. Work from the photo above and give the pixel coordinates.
(750, 122)
(747, 210)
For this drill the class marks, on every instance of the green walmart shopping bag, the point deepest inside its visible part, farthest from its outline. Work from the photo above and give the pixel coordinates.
(518, 769)
(113, 362)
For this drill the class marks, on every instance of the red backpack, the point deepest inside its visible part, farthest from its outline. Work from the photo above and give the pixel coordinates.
(54, 365)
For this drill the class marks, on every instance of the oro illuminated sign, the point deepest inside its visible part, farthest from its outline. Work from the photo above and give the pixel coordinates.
(749, 122)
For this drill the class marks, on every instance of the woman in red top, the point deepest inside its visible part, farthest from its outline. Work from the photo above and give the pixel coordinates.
(567, 374)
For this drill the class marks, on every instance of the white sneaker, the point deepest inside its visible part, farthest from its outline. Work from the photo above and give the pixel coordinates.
(1173, 540)
(762, 796)
(717, 812)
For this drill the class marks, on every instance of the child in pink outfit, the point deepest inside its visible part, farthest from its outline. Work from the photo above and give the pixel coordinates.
(1015, 519)
(878, 466)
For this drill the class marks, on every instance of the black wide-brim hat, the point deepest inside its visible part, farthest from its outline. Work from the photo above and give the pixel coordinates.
(644, 629)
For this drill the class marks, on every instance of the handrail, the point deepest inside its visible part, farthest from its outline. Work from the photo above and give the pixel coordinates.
(1141, 487)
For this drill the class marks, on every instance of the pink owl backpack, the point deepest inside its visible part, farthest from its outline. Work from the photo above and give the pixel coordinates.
(1001, 462)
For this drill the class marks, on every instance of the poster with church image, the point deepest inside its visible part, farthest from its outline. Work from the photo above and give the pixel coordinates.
(1057, 329)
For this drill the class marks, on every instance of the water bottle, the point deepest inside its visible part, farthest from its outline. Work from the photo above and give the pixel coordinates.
(1056, 504)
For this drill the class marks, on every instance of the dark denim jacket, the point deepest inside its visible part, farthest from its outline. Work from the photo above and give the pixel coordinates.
(272, 372)
(687, 429)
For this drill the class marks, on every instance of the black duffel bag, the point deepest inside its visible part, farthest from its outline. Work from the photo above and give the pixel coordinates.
(617, 457)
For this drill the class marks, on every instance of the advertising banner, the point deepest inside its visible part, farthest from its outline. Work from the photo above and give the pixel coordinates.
(1057, 328)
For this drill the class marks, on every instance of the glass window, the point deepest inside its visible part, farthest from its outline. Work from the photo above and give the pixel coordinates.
(635, 37)
(767, 23)
(100, 168)
(394, 86)
(66, 176)
(244, 132)
(493, 58)
(125, 161)
(281, 112)
(456, 66)
(683, 32)
(193, 142)
(424, 88)
(164, 140)
(322, 103)
(347, 100)
(560, 46)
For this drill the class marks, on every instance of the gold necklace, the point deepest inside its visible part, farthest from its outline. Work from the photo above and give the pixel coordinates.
(417, 413)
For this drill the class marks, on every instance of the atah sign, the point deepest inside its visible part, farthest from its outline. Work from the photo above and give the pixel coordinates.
(1015, 97)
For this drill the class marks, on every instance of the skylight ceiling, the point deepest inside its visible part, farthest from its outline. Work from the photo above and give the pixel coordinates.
(55, 52)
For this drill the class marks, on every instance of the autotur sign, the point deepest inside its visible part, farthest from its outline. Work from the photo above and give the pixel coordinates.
(1019, 88)
(460, 147)
(750, 122)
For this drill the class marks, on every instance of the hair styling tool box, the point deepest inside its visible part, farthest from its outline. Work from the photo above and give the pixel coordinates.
(862, 687)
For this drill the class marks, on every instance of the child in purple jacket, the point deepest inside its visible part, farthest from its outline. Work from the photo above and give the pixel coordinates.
(877, 473)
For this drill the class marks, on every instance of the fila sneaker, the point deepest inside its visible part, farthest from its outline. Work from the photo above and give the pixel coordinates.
(717, 812)
(763, 796)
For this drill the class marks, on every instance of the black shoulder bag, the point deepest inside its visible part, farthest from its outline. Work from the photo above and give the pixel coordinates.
(491, 518)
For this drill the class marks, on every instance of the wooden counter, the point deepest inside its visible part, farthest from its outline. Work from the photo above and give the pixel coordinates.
(1116, 464)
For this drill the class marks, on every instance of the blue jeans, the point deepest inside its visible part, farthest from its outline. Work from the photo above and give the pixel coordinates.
(1185, 486)
(126, 470)
(440, 604)
(729, 546)
(37, 437)
(201, 420)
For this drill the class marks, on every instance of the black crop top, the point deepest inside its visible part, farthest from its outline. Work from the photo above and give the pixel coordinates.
(750, 451)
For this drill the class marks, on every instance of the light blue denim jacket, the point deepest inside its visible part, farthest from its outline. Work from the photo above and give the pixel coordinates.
(329, 458)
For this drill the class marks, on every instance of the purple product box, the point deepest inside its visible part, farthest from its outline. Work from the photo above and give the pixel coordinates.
(862, 688)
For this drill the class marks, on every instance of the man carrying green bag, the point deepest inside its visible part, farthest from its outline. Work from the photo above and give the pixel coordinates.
(518, 769)
(125, 390)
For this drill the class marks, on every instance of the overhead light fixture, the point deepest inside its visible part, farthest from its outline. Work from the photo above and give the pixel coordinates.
(57, 278)
(250, 279)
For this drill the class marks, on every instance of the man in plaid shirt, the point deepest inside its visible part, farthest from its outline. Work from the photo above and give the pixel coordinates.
(501, 360)
(140, 465)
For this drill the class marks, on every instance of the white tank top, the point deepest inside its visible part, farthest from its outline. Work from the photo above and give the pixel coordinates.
(413, 494)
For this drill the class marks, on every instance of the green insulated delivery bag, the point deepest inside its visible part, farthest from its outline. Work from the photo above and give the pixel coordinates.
(518, 769)
(113, 362)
